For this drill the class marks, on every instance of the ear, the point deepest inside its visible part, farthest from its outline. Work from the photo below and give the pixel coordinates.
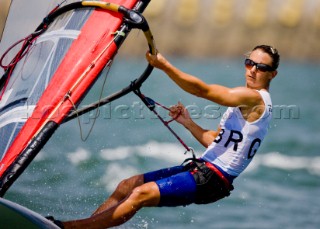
(274, 73)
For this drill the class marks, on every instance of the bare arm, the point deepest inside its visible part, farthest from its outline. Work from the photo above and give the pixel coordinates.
(181, 115)
(224, 96)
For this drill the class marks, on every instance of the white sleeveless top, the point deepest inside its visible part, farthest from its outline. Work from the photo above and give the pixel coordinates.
(239, 140)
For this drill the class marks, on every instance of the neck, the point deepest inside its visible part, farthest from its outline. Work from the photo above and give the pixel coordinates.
(266, 87)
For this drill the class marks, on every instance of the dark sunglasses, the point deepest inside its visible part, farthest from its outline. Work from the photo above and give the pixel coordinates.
(261, 67)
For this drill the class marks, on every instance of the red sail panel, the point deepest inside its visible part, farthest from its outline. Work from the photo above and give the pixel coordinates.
(80, 67)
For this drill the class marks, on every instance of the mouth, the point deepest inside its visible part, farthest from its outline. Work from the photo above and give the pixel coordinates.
(252, 77)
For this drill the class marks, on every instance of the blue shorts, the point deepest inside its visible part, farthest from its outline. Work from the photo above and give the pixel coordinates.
(176, 184)
(194, 182)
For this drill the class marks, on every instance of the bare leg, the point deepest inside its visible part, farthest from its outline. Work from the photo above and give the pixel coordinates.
(123, 189)
(146, 195)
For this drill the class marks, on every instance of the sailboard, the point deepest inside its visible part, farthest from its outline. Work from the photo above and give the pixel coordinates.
(54, 69)
(14, 215)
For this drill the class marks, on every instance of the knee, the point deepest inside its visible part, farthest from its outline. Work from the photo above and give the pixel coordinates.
(126, 186)
(146, 195)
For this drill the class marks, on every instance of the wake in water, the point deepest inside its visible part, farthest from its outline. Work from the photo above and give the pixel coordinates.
(173, 153)
(125, 161)
(287, 162)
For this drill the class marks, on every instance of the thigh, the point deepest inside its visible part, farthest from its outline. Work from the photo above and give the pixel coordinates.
(162, 173)
(177, 190)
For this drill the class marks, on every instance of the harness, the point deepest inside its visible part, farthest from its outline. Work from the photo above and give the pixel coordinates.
(194, 164)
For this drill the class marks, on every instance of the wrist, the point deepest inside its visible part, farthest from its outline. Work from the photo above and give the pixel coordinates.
(167, 67)
(188, 124)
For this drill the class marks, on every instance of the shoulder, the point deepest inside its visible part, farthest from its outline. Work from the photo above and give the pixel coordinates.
(247, 96)
(266, 97)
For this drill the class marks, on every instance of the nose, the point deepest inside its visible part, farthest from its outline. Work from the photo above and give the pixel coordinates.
(253, 69)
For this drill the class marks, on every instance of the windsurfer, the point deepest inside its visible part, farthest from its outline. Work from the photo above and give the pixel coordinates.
(229, 149)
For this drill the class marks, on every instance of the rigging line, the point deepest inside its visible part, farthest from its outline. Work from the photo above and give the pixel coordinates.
(150, 103)
(57, 7)
(109, 64)
(166, 124)
(166, 108)
(93, 63)
(69, 93)
(28, 41)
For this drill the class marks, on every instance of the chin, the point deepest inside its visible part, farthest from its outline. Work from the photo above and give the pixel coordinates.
(249, 83)
(252, 86)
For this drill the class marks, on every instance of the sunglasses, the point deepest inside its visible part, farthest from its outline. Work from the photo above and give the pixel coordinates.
(261, 67)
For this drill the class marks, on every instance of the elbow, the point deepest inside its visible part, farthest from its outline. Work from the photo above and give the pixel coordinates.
(209, 137)
(193, 91)
(198, 91)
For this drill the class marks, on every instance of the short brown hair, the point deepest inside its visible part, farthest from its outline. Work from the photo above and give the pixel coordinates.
(273, 53)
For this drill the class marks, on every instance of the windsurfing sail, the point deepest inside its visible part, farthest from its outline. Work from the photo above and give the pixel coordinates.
(56, 66)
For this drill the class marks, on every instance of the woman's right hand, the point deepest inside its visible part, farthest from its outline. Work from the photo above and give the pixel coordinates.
(180, 114)
(157, 61)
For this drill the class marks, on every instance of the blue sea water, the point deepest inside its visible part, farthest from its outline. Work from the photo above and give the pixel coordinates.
(280, 189)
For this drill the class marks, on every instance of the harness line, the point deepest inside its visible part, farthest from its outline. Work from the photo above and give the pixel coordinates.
(150, 103)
